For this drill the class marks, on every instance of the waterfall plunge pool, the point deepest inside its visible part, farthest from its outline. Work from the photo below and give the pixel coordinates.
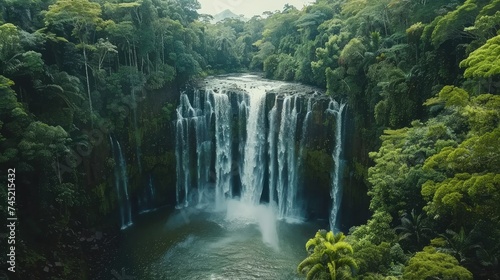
(244, 242)
(232, 147)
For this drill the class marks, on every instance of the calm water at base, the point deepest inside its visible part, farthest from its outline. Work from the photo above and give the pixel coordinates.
(194, 244)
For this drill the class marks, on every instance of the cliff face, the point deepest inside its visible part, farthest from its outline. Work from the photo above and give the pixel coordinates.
(150, 152)
(318, 162)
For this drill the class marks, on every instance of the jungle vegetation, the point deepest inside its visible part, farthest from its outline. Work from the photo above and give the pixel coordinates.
(422, 78)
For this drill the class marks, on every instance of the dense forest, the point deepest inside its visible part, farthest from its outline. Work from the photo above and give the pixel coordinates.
(421, 79)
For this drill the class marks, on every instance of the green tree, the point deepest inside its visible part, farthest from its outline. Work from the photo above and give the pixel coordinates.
(414, 228)
(329, 256)
(430, 264)
(483, 62)
(451, 25)
(84, 17)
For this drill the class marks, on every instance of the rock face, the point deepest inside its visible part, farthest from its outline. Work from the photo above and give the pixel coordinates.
(291, 162)
(280, 150)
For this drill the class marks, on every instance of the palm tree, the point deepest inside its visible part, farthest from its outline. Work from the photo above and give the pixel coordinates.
(460, 244)
(414, 229)
(330, 257)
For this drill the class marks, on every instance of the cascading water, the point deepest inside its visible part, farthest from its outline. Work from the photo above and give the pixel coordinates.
(252, 179)
(272, 152)
(203, 146)
(303, 144)
(286, 186)
(184, 114)
(336, 191)
(198, 119)
(303, 139)
(121, 185)
(238, 150)
(226, 134)
(146, 201)
(223, 141)
(242, 131)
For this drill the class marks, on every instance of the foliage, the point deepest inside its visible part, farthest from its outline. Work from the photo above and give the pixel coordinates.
(414, 229)
(371, 258)
(429, 264)
(452, 23)
(483, 62)
(328, 256)
(377, 230)
(430, 126)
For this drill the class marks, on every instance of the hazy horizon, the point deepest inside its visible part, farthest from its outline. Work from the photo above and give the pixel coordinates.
(247, 8)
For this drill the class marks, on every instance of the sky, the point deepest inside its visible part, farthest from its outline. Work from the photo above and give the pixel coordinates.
(248, 8)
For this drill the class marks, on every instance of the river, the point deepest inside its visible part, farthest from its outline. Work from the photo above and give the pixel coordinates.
(195, 244)
(240, 211)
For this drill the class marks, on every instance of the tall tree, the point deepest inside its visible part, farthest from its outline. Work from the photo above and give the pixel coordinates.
(84, 17)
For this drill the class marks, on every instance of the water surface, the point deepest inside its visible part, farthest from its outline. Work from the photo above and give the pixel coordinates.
(196, 244)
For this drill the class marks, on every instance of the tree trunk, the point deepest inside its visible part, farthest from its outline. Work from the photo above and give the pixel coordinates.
(88, 84)
(162, 50)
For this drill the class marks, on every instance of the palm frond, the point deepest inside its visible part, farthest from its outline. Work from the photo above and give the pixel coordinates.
(333, 270)
(309, 261)
(314, 271)
(311, 242)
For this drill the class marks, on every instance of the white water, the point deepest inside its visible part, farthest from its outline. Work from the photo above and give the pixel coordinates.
(284, 161)
(121, 185)
(193, 245)
(223, 141)
(241, 213)
(336, 191)
(236, 149)
(271, 140)
(252, 178)
(287, 175)
(146, 201)
(203, 146)
(185, 113)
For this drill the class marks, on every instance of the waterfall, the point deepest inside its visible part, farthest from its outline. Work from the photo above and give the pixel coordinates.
(203, 146)
(303, 138)
(151, 192)
(121, 185)
(184, 113)
(146, 202)
(336, 191)
(226, 133)
(242, 132)
(199, 119)
(286, 185)
(303, 144)
(272, 152)
(223, 141)
(252, 179)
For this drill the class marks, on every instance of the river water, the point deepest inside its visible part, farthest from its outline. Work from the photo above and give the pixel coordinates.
(212, 233)
(194, 244)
